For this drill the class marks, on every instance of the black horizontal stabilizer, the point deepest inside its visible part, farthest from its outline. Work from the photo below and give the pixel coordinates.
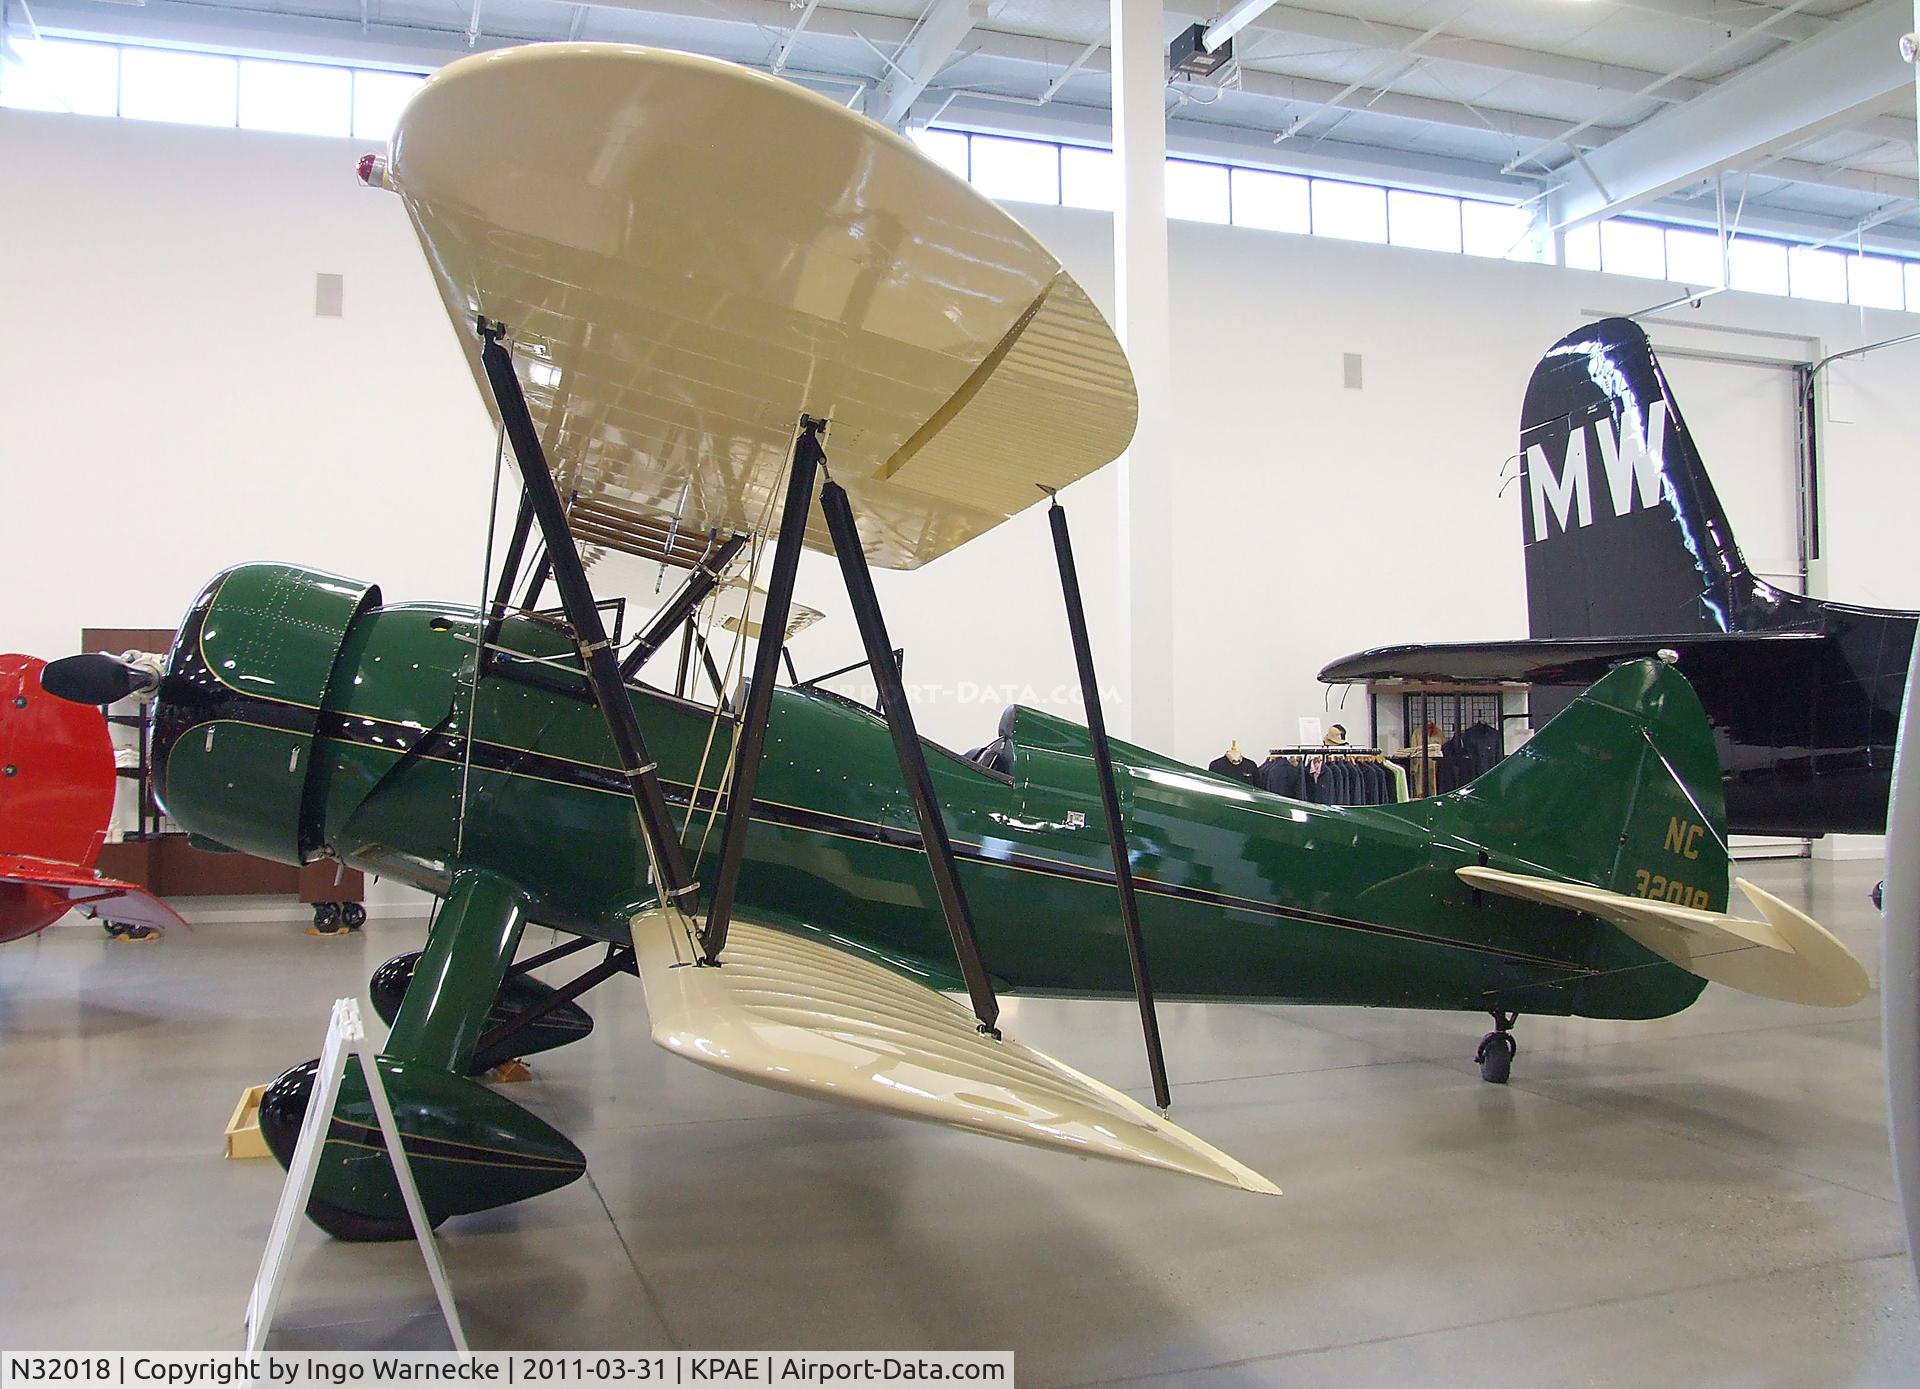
(1574, 661)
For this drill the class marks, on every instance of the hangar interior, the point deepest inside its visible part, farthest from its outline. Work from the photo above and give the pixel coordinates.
(221, 349)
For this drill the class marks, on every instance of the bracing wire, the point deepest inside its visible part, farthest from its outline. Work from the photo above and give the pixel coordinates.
(734, 668)
(479, 653)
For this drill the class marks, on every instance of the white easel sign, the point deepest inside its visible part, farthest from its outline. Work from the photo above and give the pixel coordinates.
(345, 1034)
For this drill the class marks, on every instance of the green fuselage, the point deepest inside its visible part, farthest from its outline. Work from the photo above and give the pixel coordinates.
(278, 746)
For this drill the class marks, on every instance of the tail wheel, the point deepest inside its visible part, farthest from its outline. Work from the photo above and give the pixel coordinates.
(1495, 1056)
(1497, 1050)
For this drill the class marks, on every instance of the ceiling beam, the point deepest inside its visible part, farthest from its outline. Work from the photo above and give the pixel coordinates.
(1454, 115)
(945, 23)
(1209, 140)
(1817, 85)
(838, 52)
(1479, 54)
(1834, 176)
(1312, 91)
(1737, 15)
(1220, 33)
(1792, 224)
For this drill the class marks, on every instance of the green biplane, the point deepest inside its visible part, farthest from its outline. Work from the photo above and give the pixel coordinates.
(686, 291)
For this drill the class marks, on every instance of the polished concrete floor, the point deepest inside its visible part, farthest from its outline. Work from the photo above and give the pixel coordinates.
(1705, 1200)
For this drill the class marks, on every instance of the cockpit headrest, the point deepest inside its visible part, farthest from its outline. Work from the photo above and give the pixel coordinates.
(1007, 717)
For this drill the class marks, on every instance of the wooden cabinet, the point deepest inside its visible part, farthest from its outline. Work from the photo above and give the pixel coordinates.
(167, 866)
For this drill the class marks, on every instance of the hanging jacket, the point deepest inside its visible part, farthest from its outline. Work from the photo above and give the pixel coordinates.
(1284, 777)
(1482, 748)
(1424, 766)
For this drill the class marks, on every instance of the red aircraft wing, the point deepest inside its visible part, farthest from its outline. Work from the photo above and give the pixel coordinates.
(35, 893)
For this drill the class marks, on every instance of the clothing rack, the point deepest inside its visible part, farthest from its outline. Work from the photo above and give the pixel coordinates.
(1326, 750)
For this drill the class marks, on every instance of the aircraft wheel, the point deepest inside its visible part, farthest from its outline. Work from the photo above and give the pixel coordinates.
(113, 928)
(353, 915)
(1495, 1056)
(326, 917)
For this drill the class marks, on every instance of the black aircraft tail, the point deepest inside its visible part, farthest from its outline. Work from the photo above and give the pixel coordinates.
(1624, 533)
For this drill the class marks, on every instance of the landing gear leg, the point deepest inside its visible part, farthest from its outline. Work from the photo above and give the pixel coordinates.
(1497, 1049)
(499, 1151)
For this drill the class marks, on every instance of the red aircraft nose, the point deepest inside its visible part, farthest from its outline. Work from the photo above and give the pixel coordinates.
(56, 794)
(56, 770)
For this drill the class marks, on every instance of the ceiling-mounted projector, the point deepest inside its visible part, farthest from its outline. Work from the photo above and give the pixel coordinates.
(1189, 56)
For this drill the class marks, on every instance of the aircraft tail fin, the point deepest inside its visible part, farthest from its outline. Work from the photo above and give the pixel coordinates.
(1621, 791)
(1624, 534)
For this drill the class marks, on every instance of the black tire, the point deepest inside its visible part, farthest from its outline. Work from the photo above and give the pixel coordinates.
(113, 928)
(388, 986)
(1496, 1057)
(353, 914)
(326, 917)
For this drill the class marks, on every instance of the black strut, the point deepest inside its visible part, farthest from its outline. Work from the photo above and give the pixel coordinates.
(766, 674)
(509, 570)
(536, 583)
(906, 746)
(1109, 799)
(690, 595)
(576, 596)
(547, 957)
(619, 960)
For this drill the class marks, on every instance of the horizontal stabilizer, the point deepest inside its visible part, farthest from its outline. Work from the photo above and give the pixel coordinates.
(1787, 956)
(791, 1013)
(1566, 661)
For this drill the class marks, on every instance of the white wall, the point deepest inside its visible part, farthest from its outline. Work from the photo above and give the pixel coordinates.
(169, 404)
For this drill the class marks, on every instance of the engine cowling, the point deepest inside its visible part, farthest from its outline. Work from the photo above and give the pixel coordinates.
(238, 716)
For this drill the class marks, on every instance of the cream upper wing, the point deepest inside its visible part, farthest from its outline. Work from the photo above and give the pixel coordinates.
(688, 255)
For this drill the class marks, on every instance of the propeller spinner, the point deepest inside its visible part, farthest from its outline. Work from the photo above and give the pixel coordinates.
(97, 678)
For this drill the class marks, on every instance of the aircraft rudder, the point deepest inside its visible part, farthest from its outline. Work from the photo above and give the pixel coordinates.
(1622, 530)
(1621, 790)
